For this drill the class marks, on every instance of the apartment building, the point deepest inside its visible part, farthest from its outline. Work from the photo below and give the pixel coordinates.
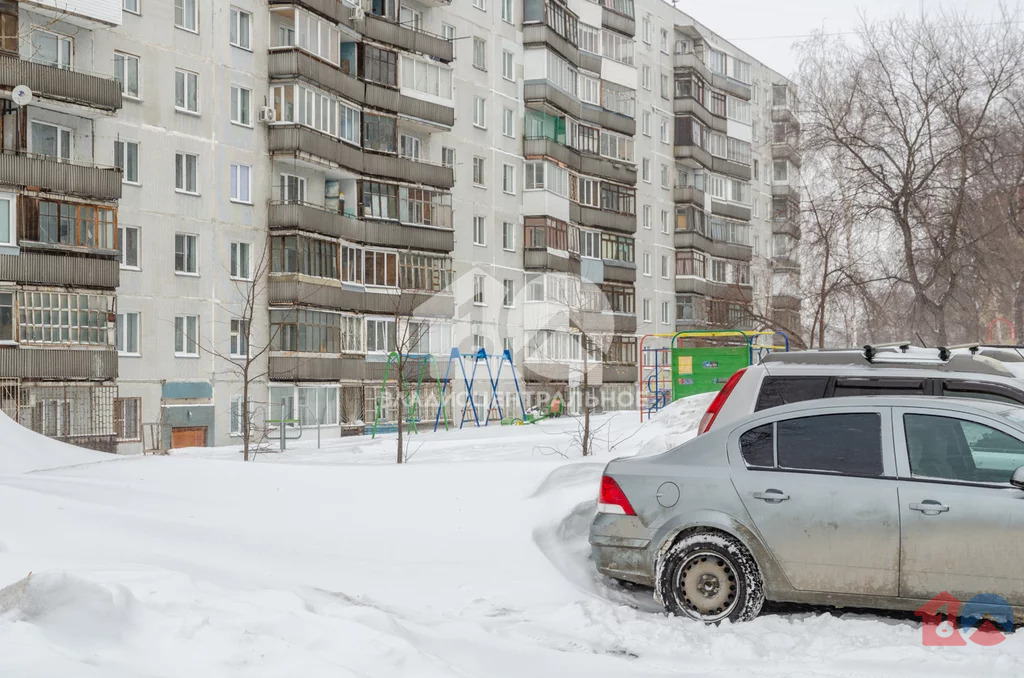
(305, 186)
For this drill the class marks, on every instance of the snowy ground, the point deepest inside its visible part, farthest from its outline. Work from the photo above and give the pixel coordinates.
(470, 561)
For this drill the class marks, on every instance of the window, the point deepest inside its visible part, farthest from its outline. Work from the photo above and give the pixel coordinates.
(235, 427)
(589, 38)
(239, 338)
(616, 146)
(63, 318)
(757, 446)
(241, 110)
(380, 65)
(186, 91)
(664, 41)
(240, 261)
(128, 246)
(647, 217)
(447, 31)
(664, 176)
(306, 255)
(957, 449)
(478, 289)
(665, 313)
(664, 86)
(479, 113)
(835, 443)
(647, 264)
(508, 179)
(381, 268)
(126, 333)
(508, 122)
(777, 391)
(507, 65)
(349, 124)
(126, 70)
(378, 200)
(480, 53)
(51, 49)
(645, 77)
(186, 253)
(241, 28)
(780, 171)
(508, 236)
(413, 18)
(409, 146)
(51, 140)
(508, 293)
(646, 29)
(479, 235)
(126, 156)
(645, 123)
(448, 156)
(480, 4)
(241, 183)
(380, 133)
(664, 221)
(664, 130)
(73, 224)
(128, 411)
(506, 11)
(186, 336)
(293, 188)
(429, 272)
(617, 47)
(185, 172)
(302, 331)
(561, 73)
(590, 244)
(647, 310)
(186, 15)
(131, 6)
(478, 170)
(426, 77)
(590, 89)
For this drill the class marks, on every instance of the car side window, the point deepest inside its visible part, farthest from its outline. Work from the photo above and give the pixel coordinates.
(757, 446)
(777, 391)
(849, 443)
(982, 392)
(957, 449)
(874, 386)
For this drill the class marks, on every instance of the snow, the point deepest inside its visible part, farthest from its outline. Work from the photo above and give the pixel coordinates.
(471, 560)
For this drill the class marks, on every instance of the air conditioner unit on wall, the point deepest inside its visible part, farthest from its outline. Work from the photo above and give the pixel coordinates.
(267, 114)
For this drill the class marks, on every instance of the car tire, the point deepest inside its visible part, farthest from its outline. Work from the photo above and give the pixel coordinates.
(710, 577)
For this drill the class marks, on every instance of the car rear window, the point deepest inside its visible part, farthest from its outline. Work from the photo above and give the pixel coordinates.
(777, 391)
(758, 446)
(838, 443)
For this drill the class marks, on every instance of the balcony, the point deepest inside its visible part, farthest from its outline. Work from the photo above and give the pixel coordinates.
(619, 271)
(606, 322)
(392, 33)
(616, 21)
(616, 122)
(542, 91)
(318, 219)
(45, 173)
(389, 99)
(787, 191)
(297, 290)
(731, 210)
(291, 63)
(787, 150)
(55, 265)
(587, 163)
(58, 362)
(713, 290)
(61, 84)
(542, 34)
(715, 248)
(601, 218)
(784, 113)
(786, 302)
(688, 194)
(730, 168)
(305, 367)
(619, 374)
(786, 226)
(544, 260)
(304, 142)
(407, 169)
(786, 262)
(693, 153)
(690, 106)
(690, 61)
(734, 87)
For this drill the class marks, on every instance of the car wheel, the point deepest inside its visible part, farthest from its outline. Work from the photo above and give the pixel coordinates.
(710, 576)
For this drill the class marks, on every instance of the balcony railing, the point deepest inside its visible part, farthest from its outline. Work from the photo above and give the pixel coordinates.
(58, 362)
(47, 173)
(61, 84)
(60, 268)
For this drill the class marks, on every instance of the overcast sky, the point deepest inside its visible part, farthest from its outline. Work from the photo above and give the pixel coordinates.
(767, 29)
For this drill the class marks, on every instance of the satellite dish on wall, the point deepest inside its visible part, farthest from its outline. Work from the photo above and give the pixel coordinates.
(21, 95)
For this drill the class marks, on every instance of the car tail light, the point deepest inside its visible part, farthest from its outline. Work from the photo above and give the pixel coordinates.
(613, 499)
(716, 405)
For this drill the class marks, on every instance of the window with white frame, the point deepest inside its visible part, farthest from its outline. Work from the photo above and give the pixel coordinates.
(665, 92)
(480, 4)
(185, 169)
(647, 216)
(186, 91)
(235, 426)
(664, 40)
(131, 6)
(127, 245)
(645, 170)
(479, 283)
(645, 29)
(239, 338)
(508, 179)
(51, 49)
(380, 335)
(241, 183)
(448, 157)
(480, 53)
(664, 266)
(409, 146)
(616, 146)
(547, 176)
(241, 261)
(647, 264)
(590, 244)
(589, 38)
(561, 73)
(508, 236)
(186, 253)
(126, 333)
(186, 15)
(241, 107)
(647, 310)
(128, 419)
(186, 336)
(241, 28)
(413, 18)
(478, 170)
(508, 122)
(506, 11)
(590, 89)
(479, 231)
(664, 176)
(426, 77)
(53, 141)
(126, 70)
(645, 123)
(664, 221)
(293, 188)
(664, 130)
(126, 156)
(7, 317)
(665, 311)
(480, 112)
(588, 192)
(645, 77)
(349, 128)
(430, 337)
(617, 47)
(447, 31)
(507, 65)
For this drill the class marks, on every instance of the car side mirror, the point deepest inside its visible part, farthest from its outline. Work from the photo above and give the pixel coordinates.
(1017, 479)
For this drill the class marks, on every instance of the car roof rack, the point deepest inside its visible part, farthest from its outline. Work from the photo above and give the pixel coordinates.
(1007, 353)
(954, 362)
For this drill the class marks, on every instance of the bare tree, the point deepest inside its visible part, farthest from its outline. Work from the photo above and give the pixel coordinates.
(911, 110)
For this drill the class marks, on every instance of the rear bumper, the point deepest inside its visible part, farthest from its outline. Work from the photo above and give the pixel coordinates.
(621, 548)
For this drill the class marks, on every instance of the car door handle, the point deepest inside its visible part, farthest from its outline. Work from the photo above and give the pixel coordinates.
(929, 507)
(771, 496)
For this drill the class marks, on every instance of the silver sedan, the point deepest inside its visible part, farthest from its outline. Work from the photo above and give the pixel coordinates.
(879, 502)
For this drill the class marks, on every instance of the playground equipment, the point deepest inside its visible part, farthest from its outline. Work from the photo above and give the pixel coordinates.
(669, 371)
(493, 378)
(554, 409)
(413, 399)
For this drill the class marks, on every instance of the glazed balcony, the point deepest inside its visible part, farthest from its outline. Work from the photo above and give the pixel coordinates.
(54, 175)
(61, 84)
